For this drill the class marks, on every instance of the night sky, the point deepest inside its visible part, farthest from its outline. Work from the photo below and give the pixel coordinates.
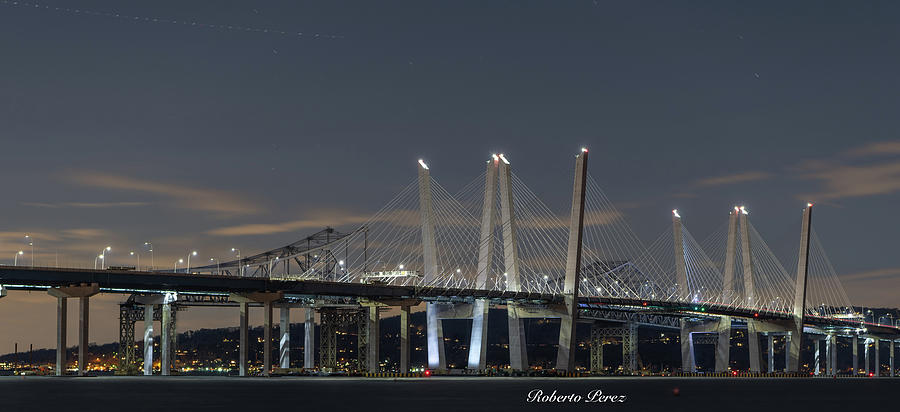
(116, 131)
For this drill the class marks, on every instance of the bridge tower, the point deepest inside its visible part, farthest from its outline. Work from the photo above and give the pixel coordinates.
(565, 359)
(518, 354)
(722, 326)
(739, 222)
(435, 331)
(793, 358)
(498, 168)
(478, 341)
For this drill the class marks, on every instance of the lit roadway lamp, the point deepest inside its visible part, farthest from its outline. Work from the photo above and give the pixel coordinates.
(188, 269)
(19, 253)
(30, 241)
(150, 246)
(175, 269)
(238, 251)
(138, 256)
(217, 264)
(675, 213)
(103, 252)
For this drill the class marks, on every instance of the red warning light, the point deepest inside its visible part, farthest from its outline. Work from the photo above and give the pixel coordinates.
(756, 315)
(734, 373)
(645, 303)
(427, 373)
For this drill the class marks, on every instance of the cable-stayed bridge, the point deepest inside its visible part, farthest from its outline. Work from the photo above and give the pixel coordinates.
(496, 243)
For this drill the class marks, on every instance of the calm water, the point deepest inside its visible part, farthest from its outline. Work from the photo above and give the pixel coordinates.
(35, 393)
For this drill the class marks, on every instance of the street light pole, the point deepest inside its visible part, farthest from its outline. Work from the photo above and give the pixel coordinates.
(103, 252)
(138, 255)
(16, 258)
(150, 245)
(188, 270)
(240, 264)
(30, 241)
(175, 269)
(217, 264)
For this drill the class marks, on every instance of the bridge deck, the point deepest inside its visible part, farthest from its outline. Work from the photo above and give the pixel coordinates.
(126, 281)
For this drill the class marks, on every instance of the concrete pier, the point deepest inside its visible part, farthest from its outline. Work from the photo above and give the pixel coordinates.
(83, 293)
(876, 343)
(373, 347)
(284, 344)
(61, 311)
(817, 361)
(891, 354)
(165, 348)
(267, 299)
(404, 339)
(267, 338)
(244, 343)
(309, 339)
(148, 340)
(868, 349)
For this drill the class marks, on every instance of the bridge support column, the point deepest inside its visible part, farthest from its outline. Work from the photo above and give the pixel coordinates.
(83, 293)
(876, 343)
(374, 333)
(61, 320)
(771, 354)
(267, 338)
(244, 344)
(596, 360)
(867, 348)
(328, 324)
(266, 298)
(309, 339)
(722, 329)
(834, 353)
(404, 339)
(165, 347)
(688, 362)
(83, 332)
(435, 336)
(723, 344)
(518, 352)
(478, 340)
(753, 346)
(855, 348)
(284, 344)
(891, 354)
(793, 348)
(816, 360)
(565, 358)
(829, 354)
(148, 340)
(630, 348)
